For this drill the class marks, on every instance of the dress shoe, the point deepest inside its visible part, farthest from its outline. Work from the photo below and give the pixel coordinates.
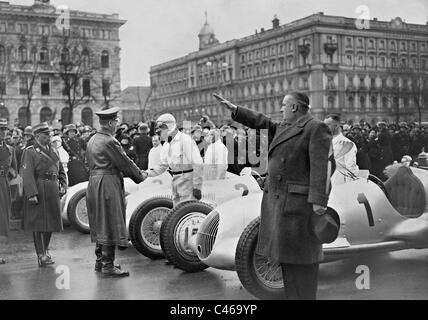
(2, 261)
(44, 260)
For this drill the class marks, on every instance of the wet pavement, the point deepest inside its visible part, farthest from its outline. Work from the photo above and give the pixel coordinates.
(398, 275)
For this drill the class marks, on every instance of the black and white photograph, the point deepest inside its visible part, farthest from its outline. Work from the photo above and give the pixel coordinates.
(213, 150)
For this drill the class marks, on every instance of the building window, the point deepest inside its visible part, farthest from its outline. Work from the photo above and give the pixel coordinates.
(423, 64)
(23, 85)
(371, 44)
(2, 55)
(385, 103)
(348, 42)
(44, 55)
(373, 82)
(349, 60)
(22, 54)
(414, 63)
(290, 46)
(382, 62)
(44, 30)
(106, 88)
(65, 55)
(105, 59)
(273, 50)
(105, 34)
(45, 114)
(413, 46)
(393, 63)
(360, 43)
(360, 61)
(403, 45)
(382, 44)
(44, 87)
(85, 58)
(242, 58)
(329, 39)
(373, 102)
(281, 48)
(290, 64)
(2, 26)
(423, 47)
(362, 102)
(330, 102)
(2, 86)
(371, 61)
(22, 28)
(86, 86)
(351, 102)
(392, 45)
(403, 63)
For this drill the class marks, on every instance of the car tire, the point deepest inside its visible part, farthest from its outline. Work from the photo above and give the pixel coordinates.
(149, 215)
(76, 204)
(173, 232)
(245, 261)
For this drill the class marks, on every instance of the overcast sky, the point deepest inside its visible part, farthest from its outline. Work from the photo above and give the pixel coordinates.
(160, 30)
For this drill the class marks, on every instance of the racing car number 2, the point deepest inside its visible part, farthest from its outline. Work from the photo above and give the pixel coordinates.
(363, 200)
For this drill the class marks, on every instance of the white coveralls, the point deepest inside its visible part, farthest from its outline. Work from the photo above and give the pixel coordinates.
(181, 154)
(215, 158)
(345, 155)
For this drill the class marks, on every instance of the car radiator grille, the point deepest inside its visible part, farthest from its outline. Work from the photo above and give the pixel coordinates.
(207, 235)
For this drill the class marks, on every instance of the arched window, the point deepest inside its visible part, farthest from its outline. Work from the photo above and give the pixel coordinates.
(22, 54)
(44, 55)
(4, 112)
(2, 55)
(45, 114)
(24, 117)
(65, 55)
(65, 116)
(105, 63)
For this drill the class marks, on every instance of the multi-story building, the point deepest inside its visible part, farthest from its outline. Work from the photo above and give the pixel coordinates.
(379, 73)
(134, 104)
(50, 66)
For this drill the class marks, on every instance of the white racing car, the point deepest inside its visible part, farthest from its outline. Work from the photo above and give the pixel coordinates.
(73, 204)
(374, 217)
(149, 210)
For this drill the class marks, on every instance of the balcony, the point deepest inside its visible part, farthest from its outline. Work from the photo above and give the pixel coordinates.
(304, 49)
(330, 48)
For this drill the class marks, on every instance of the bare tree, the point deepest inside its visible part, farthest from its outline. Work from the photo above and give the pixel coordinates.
(76, 70)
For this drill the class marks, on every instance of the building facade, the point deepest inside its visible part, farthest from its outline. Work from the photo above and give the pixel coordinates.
(379, 73)
(134, 104)
(50, 66)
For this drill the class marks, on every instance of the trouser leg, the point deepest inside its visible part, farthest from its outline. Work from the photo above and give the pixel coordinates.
(46, 241)
(300, 281)
(99, 255)
(38, 243)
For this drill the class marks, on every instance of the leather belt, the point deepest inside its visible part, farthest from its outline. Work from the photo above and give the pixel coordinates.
(103, 172)
(49, 177)
(180, 172)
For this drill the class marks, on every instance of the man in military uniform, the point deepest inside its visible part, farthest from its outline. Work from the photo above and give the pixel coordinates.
(44, 183)
(7, 171)
(105, 196)
(75, 146)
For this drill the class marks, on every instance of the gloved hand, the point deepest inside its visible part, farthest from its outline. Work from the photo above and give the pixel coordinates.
(33, 200)
(197, 194)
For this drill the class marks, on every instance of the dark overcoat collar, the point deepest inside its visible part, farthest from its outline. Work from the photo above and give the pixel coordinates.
(285, 133)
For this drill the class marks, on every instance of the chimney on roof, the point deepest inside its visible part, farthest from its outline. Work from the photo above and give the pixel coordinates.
(321, 13)
(275, 22)
(374, 19)
(262, 30)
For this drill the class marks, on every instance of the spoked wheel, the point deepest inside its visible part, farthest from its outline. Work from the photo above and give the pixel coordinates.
(145, 226)
(258, 275)
(182, 223)
(77, 212)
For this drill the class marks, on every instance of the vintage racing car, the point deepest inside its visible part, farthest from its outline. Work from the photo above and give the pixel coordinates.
(374, 217)
(149, 215)
(73, 204)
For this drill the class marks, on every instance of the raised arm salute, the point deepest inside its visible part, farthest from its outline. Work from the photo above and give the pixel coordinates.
(297, 188)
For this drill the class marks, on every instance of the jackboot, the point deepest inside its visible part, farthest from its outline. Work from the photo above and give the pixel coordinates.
(99, 254)
(46, 241)
(38, 245)
(107, 261)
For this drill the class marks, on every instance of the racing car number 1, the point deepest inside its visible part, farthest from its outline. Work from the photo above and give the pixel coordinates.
(363, 200)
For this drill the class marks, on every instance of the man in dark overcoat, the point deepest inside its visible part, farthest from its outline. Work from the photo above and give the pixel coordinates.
(105, 196)
(75, 147)
(297, 186)
(7, 171)
(44, 182)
